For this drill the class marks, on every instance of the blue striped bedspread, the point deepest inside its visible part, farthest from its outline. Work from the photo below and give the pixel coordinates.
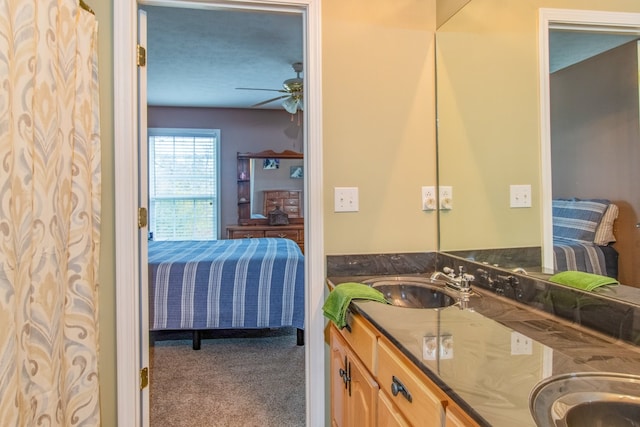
(228, 284)
(572, 255)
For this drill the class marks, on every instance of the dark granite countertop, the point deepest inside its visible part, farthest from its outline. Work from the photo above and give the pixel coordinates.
(490, 355)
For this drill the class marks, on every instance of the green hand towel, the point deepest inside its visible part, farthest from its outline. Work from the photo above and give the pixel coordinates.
(335, 307)
(582, 280)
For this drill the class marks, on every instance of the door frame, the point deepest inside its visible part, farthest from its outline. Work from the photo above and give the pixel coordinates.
(589, 20)
(128, 301)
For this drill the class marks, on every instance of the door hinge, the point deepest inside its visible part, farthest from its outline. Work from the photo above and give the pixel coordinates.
(141, 55)
(142, 217)
(144, 377)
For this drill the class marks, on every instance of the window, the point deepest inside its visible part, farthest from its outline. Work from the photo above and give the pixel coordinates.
(183, 184)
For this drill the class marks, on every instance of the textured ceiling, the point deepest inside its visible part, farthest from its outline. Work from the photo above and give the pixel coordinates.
(569, 47)
(199, 57)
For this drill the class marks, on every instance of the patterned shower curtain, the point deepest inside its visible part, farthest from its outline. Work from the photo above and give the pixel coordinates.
(49, 214)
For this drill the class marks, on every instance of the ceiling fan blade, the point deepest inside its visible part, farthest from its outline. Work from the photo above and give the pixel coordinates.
(254, 88)
(269, 100)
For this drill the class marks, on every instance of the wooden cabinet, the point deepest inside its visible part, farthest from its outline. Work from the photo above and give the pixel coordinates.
(293, 232)
(288, 201)
(374, 384)
(417, 399)
(353, 389)
(388, 413)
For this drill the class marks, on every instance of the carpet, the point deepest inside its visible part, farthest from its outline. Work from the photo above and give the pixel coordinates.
(238, 378)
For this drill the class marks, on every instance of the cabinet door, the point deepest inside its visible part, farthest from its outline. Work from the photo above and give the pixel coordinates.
(455, 417)
(361, 395)
(338, 367)
(388, 414)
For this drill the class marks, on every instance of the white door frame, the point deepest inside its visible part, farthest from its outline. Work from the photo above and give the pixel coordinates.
(128, 332)
(588, 20)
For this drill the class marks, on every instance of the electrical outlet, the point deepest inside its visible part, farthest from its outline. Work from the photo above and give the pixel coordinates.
(429, 347)
(446, 197)
(520, 196)
(346, 199)
(446, 347)
(429, 198)
(520, 344)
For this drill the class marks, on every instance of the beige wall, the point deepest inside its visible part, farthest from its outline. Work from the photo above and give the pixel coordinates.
(378, 135)
(107, 308)
(489, 119)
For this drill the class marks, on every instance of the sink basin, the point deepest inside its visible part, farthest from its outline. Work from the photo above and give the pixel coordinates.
(587, 399)
(413, 292)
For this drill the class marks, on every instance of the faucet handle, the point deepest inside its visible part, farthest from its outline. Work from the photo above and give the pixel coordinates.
(448, 270)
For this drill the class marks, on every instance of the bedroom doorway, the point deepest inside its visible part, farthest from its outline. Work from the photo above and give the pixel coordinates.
(589, 31)
(130, 360)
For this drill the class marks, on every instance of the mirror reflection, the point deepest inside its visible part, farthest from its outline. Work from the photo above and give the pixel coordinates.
(493, 135)
(270, 180)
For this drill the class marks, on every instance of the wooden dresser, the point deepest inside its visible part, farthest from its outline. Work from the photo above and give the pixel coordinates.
(294, 232)
(288, 201)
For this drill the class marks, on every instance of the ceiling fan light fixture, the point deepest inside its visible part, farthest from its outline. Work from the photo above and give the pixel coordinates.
(292, 104)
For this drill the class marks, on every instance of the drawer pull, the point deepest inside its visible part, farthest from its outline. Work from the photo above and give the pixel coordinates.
(398, 387)
(248, 236)
(283, 235)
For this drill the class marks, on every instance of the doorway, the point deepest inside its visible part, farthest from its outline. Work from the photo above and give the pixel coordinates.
(579, 24)
(128, 270)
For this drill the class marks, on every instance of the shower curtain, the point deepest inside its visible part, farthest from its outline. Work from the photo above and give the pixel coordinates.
(49, 214)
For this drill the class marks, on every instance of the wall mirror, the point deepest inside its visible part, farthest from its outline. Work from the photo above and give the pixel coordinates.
(493, 127)
(268, 180)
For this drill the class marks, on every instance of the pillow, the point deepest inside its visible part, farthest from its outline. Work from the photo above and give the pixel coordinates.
(604, 232)
(576, 219)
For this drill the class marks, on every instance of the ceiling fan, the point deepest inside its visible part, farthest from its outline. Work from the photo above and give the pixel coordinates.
(292, 88)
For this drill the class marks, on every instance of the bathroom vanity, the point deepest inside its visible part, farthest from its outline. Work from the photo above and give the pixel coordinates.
(471, 365)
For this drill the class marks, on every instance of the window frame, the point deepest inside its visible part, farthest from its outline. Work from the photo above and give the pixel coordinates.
(189, 132)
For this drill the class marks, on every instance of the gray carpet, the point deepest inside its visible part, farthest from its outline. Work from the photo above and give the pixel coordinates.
(237, 378)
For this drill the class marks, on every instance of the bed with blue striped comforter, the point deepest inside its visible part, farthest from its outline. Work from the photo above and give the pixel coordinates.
(226, 284)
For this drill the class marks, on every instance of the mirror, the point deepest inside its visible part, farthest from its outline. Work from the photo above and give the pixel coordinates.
(267, 180)
(492, 131)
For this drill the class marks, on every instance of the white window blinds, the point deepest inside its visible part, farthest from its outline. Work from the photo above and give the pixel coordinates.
(183, 184)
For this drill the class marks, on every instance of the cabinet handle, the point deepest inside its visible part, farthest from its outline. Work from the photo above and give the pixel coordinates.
(398, 387)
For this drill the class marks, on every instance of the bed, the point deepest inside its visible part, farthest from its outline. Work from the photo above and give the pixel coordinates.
(583, 236)
(226, 284)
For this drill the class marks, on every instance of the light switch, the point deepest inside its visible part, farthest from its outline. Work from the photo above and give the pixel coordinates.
(520, 196)
(346, 199)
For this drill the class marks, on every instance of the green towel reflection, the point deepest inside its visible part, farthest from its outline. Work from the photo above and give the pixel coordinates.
(335, 307)
(582, 280)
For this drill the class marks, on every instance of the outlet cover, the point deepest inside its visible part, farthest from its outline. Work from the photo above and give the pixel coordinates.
(429, 198)
(446, 197)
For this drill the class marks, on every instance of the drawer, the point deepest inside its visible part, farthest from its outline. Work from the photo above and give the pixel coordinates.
(362, 340)
(285, 234)
(246, 234)
(427, 404)
(291, 210)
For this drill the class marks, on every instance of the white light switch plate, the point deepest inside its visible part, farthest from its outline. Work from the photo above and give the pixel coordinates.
(346, 199)
(520, 196)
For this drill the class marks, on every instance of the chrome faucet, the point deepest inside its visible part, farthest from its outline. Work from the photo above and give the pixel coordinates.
(461, 282)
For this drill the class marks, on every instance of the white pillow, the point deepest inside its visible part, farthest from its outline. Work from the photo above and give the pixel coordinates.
(604, 232)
